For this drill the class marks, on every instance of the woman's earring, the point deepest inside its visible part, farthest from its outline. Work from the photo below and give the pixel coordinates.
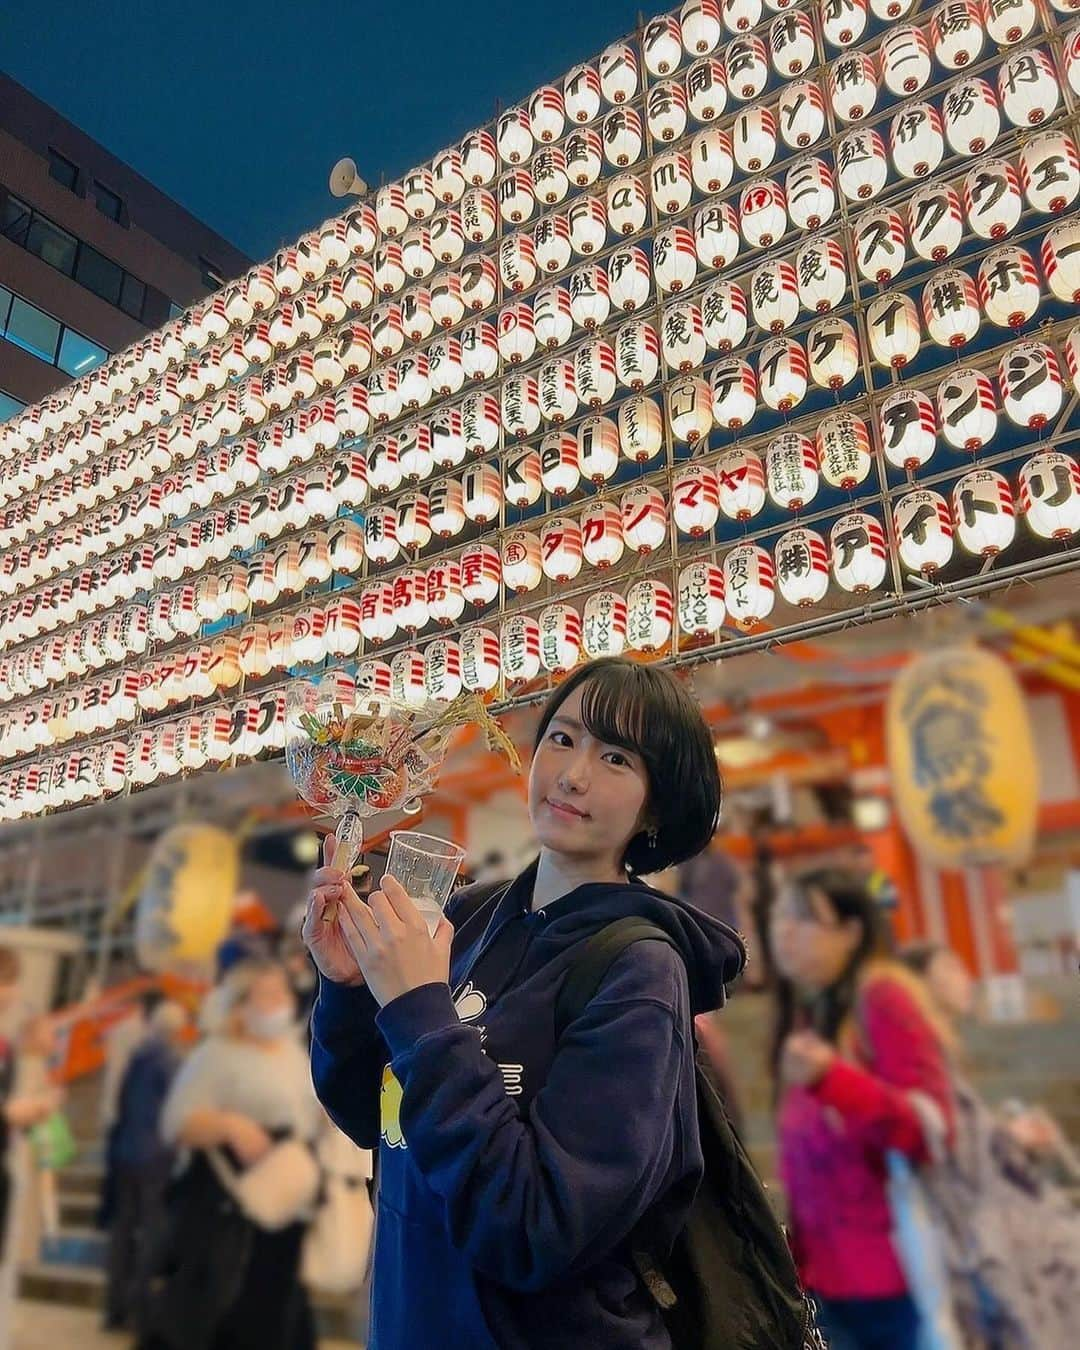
(652, 834)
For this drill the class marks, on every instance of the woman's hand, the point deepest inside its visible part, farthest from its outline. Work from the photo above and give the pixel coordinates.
(392, 945)
(330, 903)
(805, 1059)
(248, 1141)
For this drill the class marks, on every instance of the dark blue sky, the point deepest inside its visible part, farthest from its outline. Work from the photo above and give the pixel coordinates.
(238, 109)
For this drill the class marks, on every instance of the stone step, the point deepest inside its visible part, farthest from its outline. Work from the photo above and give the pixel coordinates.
(81, 1178)
(78, 1210)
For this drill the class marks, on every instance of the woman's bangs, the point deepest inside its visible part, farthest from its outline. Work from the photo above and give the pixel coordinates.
(616, 709)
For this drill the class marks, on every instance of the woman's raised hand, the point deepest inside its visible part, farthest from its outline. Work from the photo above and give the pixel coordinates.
(328, 920)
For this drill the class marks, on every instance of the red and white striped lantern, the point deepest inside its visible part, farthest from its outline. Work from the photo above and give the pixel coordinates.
(479, 214)
(384, 464)
(481, 570)
(559, 468)
(520, 648)
(810, 190)
(862, 165)
(1032, 390)
(604, 624)
(644, 518)
(821, 275)
(774, 296)
(749, 578)
(971, 117)
(1009, 287)
(641, 429)
(558, 391)
(590, 303)
(561, 548)
(601, 533)
(802, 567)
(479, 161)
(480, 424)
(447, 306)
(637, 354)
(1050, 494)
(741, 484)
(853, 86)
(482, 489)
(950, 306)
(448, 236)
(598, 449)
(513, 136)
(581, 94)
(843, 24)
(418, 252)
(924, 532)
(858, 553)
(1050, 171)
(957, 34)
(665, 113)
(442, 670)
(723, 313)
(983, 512)
(626, 204)
(905, 61)
(716, 235)
(791, 470)
(522, 484)
(623, 137)
(447, 176)
(916, 140)
(992, 200)
(661, 45)
(407, 678)
(747, 65)
(833, 353)
(410, 600)
(893, 325)
(712, 161)
(674, 259)
(521, 565)
(690, 410)
(843, 447)
(414, 521)
(380, 534)
(446, 373)
(782, 374)
(650, 612)
(683, 337)
(800, 113)
(560, 638)
(479, 285)
(374, 677)
(966, 409)
(547, 114)
(480, 663)
(762, 213)
(791, 44)
(699, 21)
(388, 268)
(553, 322)
(734, 392)
(695, 499)
(515, 334)
(594, 373)
(629, 279)
(753, 138)
(701, 599)
(1010, 22)
(908, 428)
(447, 438)
(1061, 261)
(706, 89)
(445, 597)
(520, 405)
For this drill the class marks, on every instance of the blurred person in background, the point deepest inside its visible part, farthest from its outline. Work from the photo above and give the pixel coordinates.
(121, 1042)
(142, 1163)
(1012, 1237)
(860, 1063)
(224, 1281)
(764, 883)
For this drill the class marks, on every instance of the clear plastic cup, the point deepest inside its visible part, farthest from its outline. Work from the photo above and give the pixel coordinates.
(426, 867)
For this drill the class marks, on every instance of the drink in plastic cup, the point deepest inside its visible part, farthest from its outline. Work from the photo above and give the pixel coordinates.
(426, 867)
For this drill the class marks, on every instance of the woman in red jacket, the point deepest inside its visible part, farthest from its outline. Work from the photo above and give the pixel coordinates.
(861, 1071)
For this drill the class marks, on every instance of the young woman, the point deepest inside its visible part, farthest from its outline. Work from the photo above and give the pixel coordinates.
(516, 1171)
(859, 1058)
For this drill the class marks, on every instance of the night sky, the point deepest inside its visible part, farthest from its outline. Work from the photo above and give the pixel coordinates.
(238, 110)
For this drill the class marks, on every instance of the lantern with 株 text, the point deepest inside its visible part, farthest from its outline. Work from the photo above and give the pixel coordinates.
(802, 567)
(950, 306)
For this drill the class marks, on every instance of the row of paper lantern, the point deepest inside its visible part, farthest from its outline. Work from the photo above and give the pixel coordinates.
(982, 517)
(1030, 382)
(936, 230)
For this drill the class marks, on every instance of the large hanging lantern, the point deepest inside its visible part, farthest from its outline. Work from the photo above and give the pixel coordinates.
(380, 534)
(800, 113)
(520, 406)
(1061, 261)
(516, 336)
(950, 306)
(802, 567)
(924, 531)
(522, 484)
(560, 638)
(747, 64)
(553, 321)
(967, 412)
(916, 140)
(1050, 171)
(513, 136)
(641, 429)
(1072, 57)
(992, 200)
(644, 518)
(637, 354)
(683, 337)
(629, 278)
(905, 61)
(558, 391)
(983, 512)
(935, 224)
(962, 760)
(650, 611)
(701, 599)
(448, 236)
(879, 245)
(716, 235)
(414, 521)
(810, 192)
(862, 165)
(410, 600)
(821, 275)
(749, 578)
(833, 352)
(1032, 391)
(782, 374)
(560, 549)
(447, 176)
(1009, 287)
(581, 93)
(763, 213)
(857, 552)
(623, 137)
(1050, 494)
(843, 448)
(690, 410)
(908, 428)
(893, 324)
(695, 499)
(481, 570)
(791, 470)
(442, 673)
(627, 204)
(520, 649)
(560, 471)
(598, 449)
(521, 566)
(604, 624)
(184, 908)
(374, 677)
(734, 390)
(699, 21)
(408, 678)
(956, 33)
(753, 138)
(723, 316)
(1009, 21)
(594, 373)
(666, 111)
(482, 491)
(479, 160)
(480, 664)
(446, 503)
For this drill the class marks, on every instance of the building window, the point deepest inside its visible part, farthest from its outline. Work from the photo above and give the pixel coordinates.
(99, 274)
(132, 296)
(16, 220)
(175, 310)
(9, 406)
(211, 277)
(5, 307)
(108, 203)
(52, 245)
(79, 354)
(35, 331)
(65, 173)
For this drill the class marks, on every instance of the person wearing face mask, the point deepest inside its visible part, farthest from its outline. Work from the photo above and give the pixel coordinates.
(226, 1283)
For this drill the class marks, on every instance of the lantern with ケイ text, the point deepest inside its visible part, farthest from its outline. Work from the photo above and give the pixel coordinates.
(983, 512)
(598, 449)
(644, 518)
(962, 759)
(843, 447)
(650, 611)
(442, 670)
(992, 199)
(802, 567)
(559, 468)
(893, 325)
(445, 598)
(601, 533)
(407, 677)
(1009, 287)
(560, 637)
(519, 643)
(924, 531)
(1032, 391)
(967, 412)
(521, 567)
(480, 664)
(734, 392)
(701, 599)
(862, 166)
(604, 624)
(1050, 171)
(782, 374)
(1050, 494)
(641, 429)
(561, 548)
(950, 305)
(791, 470)
(749, 578)
(857, 552)
(481, 570)
(522, 483)
(695, 500)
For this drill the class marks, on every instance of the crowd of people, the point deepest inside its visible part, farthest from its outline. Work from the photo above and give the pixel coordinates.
(522, 1168)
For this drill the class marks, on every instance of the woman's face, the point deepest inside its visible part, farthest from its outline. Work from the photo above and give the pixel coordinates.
(587, 799)
(269, 1009)
(951, 985)
(811, 945)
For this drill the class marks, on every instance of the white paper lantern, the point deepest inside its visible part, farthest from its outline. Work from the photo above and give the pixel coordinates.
(604, 624)
(762, 213)
(560, 637)
(560, 549)
(520, 405)
(598, 449)
(410, 600)
(641, 429)
(674, 258)
(480, 423)
(482, 490)
(594, 373)
(581, 93)
(716, 235)
(893, 325)
(407, 678)
(1050, 171)
(479, 163)
(384, 401)
(753, 138)
(1032, 391)
(414, 521)
(957, 34)
(447, 306)
(1050, 494)
(522, 483)
(666, 111)
(971, 117)
(843, 21)
(791, 469)
(520, 649)
(699, 21)
(516, 336)
(448, 236)
(446, 372)
(734, 388)
(601, 533)
(802, 567)
(810, 192)
(637, 354)
(374, 677)
(1061, 261)
(695, 499)
(690, 408)
(723, 316)
(739, 15)
(749, 578)
(480, 573)
(1009, 287)
(905, 61)
(1009, 21)
(916, 140)
(390, 212)
(346, 540)
(833, 353)
(446, 505)
(858, 554)
(706, 89)
(950, 306)
(782, 374)
(480, 663)
(983, 512)
(924, 531)
(380, 534)
(378, 620)
(661, 45)
(388, 268)
(623, 137)
(558, 391)
(384, 464)
(628, 278)
(513, 136)
(627, 204)
(800, 114)
(521, 565)
(650, 612)
(791, 44)
(853, 87)
(559, 468)
(843, 448)
(442, 673)
(644, 518)
(701, 599)
(821, 275)
(774, 296)
(992, 199)
(967, 413)
(683, 337)
(862, 165)
(747, 65)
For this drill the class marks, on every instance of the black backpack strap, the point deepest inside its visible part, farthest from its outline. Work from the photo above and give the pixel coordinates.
(586, 974)
(468, 901)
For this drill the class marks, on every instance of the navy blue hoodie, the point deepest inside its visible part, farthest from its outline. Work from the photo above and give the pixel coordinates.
(515, 1180)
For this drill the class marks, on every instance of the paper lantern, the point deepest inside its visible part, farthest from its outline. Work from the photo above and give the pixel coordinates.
(445, 598)
(695, 498)
(650, 611)
(701, 599)
(521, 566)
(712, 163)
(627, 204)
(843, 449)
(414, 521)
(479, 286)
(384, 401)
(553, 322)
(637, 354)
(747, 64)
(407, 678)
(666, 111)
(479, 214)
(662, 45)
(950, 306)
(515, 335)
(378, 619)
(590, 303)
(905, 61)
(598, 449)
(410, 600)
(753, 138)
(520, 405)
(983, 512)
(833, 352)
(699, 21)
(641, 429)
(447, 306)
(748, 584)
(683, 338)
(916, 140)
(893, 325)
(480, 663)
(629, 278)
(522, 483)
(934, 222)
(442, 670)
(560, 549)
(481, 570)
(384, 464)
(674, 258)
(388, 268)
(706, 89)
(733, 386)
(853, 87)
(843, 21)
(1050, 171)
(966, 409)
(1072, 56)
(546, 114)
(810, 192)
(623, 137)
(716, 235)
(520, 649)
(1009, 287)
(604, 624)
(908, 428)
(446, 505)
(308, 637)
(992, 199)
(739, 15)
(445, 370)
(185, 905)
(858, 554)
(390, 212)
(762, 213)
(957, 34)
(1032, 391)
(1061, 261)
(482, 491)
(800, 114)
(791, 470)
(1050, 494)
(821, 275)
(862, 165)
(387, 333)
(594, 373)
(802, 567)
(447, 438)
(513, 136)
(380, 534)
(261, 293)
(723, 316)
(962, 760)
(791, 44)
(924, 531)
(581, 93)
(601, 533)
(690, 405)
(774, 296)
(480, 423)
(374, 677)
(447, 237)
(560, 638)
(1009, 21)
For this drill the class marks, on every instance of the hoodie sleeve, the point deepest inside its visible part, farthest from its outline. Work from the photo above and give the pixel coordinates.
(533, 1200)
(347, 1059)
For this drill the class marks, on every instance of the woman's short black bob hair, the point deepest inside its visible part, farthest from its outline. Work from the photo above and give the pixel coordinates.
(644, 709)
